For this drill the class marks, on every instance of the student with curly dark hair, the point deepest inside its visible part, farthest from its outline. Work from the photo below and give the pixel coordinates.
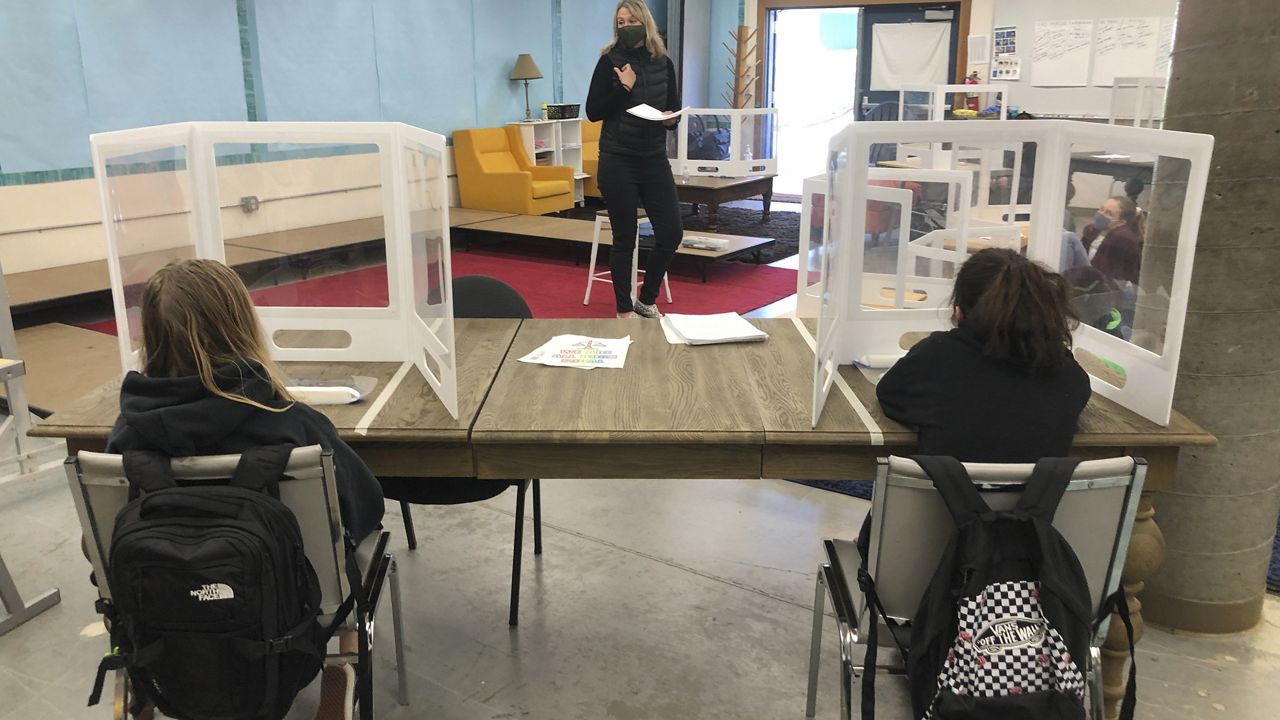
(1002, 385)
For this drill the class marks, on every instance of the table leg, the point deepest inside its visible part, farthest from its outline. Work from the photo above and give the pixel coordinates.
(713, 216)
(693, 209)
(768, 198)
(1146, 555)
(16, 610)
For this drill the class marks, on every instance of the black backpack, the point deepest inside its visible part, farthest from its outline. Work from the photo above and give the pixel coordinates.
(215, 605)
(1003, 629)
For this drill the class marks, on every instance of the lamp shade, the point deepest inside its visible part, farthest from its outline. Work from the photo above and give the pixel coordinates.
(526, 68)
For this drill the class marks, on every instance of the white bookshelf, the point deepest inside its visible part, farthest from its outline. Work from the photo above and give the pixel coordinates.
(555, 142)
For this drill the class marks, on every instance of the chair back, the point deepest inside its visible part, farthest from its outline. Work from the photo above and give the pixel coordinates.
(482, 150)
(99, 489)
(591, 139)
(911, 526)
(481, 296)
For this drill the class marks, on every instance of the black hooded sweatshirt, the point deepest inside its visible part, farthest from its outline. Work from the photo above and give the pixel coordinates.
(977, 409)
(179, 417)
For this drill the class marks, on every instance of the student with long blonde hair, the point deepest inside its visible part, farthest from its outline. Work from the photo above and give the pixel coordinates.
(208, 386)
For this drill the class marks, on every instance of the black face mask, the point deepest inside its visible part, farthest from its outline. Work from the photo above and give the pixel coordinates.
(630, 36)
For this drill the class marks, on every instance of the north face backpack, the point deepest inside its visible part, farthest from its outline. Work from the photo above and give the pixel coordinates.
(1003, 629)
(214, 604)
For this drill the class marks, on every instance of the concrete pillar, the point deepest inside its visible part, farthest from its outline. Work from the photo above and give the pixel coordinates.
(1219, 520)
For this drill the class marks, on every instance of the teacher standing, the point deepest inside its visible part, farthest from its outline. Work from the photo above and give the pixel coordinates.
(634, 172)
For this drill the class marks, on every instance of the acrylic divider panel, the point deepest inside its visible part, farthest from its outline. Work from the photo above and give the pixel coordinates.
(315, 216)
(318, 208)
(932, 102)
(146, 195)
(726, 142)
(842, 214)
(425, 182)
(813, 232)
(1131, 293)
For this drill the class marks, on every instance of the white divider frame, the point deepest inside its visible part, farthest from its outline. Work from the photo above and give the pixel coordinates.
(735, 166)
(399, 332)
(939, 94)
(847, 330)
(808, 296)
(1146, 100)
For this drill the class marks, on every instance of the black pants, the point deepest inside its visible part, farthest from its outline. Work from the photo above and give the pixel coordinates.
(628, 182)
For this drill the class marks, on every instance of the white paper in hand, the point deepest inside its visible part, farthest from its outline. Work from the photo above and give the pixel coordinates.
(645, 111)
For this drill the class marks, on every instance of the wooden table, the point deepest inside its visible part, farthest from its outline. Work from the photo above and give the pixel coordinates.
(743, 410)
(713, 190)
(413, 435)
(674, 411)
(726, 411)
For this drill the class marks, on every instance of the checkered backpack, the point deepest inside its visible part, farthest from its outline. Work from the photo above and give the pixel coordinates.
(1003, 629)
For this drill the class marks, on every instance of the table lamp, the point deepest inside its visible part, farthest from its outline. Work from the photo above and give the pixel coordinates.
(526, 69)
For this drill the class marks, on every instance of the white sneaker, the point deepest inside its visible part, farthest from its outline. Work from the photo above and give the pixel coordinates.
(646, 311)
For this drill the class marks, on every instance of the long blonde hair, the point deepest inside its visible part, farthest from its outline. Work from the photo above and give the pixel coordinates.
(652, 40)
(197, 316)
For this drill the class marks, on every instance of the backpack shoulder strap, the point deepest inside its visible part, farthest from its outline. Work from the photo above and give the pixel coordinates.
(261, 468)
(955, 487)
(147, 471)
(1045, 487)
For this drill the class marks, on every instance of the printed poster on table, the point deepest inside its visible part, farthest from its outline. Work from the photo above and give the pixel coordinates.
(580, 351)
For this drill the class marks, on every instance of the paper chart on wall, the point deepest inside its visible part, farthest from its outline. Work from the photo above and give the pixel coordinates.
(1125, 47)
(979, 49)
(1164, 48)
(1061, 55)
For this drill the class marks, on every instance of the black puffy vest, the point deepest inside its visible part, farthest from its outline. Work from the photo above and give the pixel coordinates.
(626, 134)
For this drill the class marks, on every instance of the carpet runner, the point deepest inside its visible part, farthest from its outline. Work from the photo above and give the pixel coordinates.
(552, 286)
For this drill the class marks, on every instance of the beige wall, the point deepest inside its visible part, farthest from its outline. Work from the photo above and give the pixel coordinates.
(55, 224)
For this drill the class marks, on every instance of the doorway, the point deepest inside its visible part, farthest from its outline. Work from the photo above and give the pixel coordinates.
(811, 67)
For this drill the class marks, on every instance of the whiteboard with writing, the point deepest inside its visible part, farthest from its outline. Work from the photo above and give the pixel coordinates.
(1165, 48)
(1125, 47)
(1061, 55)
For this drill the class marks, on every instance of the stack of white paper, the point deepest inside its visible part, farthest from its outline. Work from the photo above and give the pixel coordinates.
(583, 352)
(702, 242)
(709, 329)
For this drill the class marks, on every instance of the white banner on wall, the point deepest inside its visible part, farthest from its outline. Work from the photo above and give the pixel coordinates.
(909, 54)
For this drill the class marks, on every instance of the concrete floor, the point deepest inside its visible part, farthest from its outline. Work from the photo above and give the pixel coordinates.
(653, 599)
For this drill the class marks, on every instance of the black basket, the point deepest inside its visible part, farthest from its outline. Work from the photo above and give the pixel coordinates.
(562, 111)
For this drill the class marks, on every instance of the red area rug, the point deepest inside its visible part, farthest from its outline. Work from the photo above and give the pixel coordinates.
(553, 286)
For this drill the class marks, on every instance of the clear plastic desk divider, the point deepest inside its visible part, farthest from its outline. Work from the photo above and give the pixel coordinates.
(1132, 301)
(287, 205)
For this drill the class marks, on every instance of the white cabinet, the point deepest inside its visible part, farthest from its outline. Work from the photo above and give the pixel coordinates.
(555, 142)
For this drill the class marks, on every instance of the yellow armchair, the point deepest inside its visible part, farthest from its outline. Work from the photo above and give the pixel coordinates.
(591, 158)
(494, 173)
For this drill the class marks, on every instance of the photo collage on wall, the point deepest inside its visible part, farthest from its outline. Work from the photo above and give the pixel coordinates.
(1005, 63)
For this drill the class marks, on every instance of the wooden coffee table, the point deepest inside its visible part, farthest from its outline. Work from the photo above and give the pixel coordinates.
(712, 191)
